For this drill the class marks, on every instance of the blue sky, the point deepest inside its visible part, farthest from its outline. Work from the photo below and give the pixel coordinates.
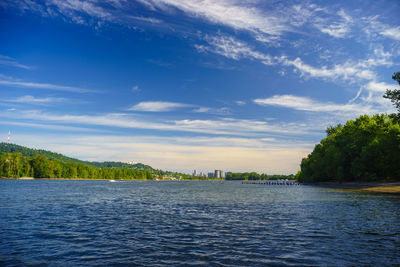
(192, 84)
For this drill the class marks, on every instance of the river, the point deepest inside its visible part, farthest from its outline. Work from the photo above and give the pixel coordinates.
(156, 223)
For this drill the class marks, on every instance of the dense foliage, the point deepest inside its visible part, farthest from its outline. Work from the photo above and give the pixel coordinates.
(13, 155)
(365, 149)
(29, 152)
(39, 166)
(256, 176)
(118, 164)
(394, 95)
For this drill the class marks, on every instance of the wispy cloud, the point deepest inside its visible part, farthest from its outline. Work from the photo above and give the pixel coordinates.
(75, 8)
(46, 86)
(28, 99)
(393, 33)
(158, 106)
(348, 71)
(232, 48)
(240, 103)
(379, 87)
(135, 88)
(50, 126)
(223, 126)
(361, 70)
(146, 19)
(217, 111)
(374, 28)
(240, 15)
(307, 104)
(9, 61)
(93, 12)
(338, 29)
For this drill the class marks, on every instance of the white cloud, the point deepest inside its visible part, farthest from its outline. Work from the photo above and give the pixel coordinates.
(374, 28)
(46, 86)
(28, 99)
(307, 104)
(224, 126)
(347, 71)
(92, 12)
(145, 19)
(240, 15)
(240, 103)
(9, 61)
(135, 88)
(379, 87)
(74, 9)
(158, 106)
(337, 29)
(217, 111)
(202, 110)
(393, 33)
(50, 126)
(232, 48)
(361, 70)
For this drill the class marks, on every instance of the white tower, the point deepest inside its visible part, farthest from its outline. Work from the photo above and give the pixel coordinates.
(9, 135)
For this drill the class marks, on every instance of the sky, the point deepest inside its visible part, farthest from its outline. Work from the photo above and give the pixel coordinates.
(180, 85)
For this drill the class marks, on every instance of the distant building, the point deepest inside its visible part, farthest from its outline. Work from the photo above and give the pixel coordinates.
(210, 175)
(194, 173)
(218, 174)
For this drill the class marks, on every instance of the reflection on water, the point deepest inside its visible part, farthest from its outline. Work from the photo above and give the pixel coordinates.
(194, 223)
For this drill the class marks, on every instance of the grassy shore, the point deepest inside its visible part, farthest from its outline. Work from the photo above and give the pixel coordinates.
(371, 187)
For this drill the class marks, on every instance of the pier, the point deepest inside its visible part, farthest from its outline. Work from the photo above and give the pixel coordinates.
(272, 182)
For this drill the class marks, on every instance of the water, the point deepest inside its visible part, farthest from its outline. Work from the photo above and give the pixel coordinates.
(193, 223)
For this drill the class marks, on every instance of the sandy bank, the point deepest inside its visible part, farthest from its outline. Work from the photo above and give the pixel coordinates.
(373, 187)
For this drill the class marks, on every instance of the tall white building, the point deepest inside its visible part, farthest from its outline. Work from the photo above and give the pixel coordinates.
(218, 174)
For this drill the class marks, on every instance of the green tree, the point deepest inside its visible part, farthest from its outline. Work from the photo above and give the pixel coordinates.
(394, 95)
(365, 149)
(40, 167)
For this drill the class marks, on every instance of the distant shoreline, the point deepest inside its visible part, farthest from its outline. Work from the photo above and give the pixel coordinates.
(96, 179)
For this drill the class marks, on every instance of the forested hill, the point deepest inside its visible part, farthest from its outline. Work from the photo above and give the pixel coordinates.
(30, 152)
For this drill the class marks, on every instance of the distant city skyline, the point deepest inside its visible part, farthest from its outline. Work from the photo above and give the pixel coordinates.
(192, 84)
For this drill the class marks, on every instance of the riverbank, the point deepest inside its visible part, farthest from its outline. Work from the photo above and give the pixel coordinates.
(78, 179)
(369, 187)
(97, 179)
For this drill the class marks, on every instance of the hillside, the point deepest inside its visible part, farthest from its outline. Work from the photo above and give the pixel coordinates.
(30, 152)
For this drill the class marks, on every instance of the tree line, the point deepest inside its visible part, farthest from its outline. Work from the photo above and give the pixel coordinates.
(364, 149)
(15, 165)
(30, 152)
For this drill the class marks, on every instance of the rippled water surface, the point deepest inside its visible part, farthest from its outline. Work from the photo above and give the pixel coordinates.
(193, 223)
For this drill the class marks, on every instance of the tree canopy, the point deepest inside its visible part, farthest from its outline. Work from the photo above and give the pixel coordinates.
(394, 95)
(364, 149)
(18, 161)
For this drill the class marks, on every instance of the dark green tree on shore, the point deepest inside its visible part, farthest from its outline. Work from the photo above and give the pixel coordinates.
(364, 149)
(14, 165)
(394, 95)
